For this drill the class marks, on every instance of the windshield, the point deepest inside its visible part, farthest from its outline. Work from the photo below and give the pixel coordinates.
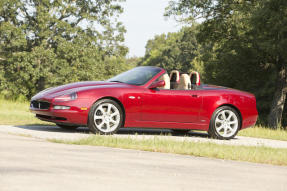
(136, 76)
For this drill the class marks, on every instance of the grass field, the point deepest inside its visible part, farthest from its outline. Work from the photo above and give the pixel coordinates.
(17, 113)
(262, 132)
(240, 153)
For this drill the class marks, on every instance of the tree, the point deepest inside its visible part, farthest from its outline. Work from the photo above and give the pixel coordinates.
(173, 51)
(50, 42)
(248, 39)
(270, 28)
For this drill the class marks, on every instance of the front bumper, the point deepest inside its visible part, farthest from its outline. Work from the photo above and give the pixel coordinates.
(76, 115)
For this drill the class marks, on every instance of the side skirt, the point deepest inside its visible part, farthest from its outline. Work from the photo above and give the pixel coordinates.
(167, 125)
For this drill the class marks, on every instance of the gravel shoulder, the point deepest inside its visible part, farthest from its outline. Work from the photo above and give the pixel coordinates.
(54, 132)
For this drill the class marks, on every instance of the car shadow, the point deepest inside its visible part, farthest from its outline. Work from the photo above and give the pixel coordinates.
(164, 132)
(122, 131)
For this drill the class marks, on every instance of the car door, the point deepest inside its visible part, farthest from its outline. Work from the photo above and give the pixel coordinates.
(182, 106)
(132, 101)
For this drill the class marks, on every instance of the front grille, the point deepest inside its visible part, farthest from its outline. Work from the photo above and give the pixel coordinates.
(36, 104)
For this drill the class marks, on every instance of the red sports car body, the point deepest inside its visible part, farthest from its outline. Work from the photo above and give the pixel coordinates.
(146, 104)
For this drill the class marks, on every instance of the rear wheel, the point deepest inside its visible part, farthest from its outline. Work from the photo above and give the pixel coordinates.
(105, 117)
(225, 123)
(67, 127)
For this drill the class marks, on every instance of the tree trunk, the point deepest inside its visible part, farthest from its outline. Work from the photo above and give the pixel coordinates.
(40, 84)
(277, 106)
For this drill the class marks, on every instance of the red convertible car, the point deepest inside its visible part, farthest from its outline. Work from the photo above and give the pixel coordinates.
(148, 97)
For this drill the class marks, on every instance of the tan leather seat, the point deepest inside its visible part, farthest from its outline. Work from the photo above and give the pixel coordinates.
(184, 82)
(174, 79)
(166, 79)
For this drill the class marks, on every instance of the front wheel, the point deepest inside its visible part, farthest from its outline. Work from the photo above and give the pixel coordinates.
(105, 117)
(225, 123)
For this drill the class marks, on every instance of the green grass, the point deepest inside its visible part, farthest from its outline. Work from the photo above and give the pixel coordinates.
(262, 132)
(240, 153)
(17, 113)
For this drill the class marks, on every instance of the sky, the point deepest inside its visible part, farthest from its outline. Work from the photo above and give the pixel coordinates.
(143, 20)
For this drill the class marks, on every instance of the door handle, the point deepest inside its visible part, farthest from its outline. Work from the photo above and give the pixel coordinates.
(194, 95)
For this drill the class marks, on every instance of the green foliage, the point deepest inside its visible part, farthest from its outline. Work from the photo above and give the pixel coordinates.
(45, 43)
(244, 45)
(173, 51)
(133, 61)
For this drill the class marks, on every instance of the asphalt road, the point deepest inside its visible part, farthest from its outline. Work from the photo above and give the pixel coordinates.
(35, 164)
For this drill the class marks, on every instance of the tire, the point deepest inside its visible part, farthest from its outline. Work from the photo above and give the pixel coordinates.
(225, 123)
(105, 117)
(67, 127)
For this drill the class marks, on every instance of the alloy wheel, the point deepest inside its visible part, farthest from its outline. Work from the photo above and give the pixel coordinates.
(226, 123)
(107, 117)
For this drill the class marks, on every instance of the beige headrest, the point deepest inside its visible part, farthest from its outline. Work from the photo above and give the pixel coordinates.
(197, 76)
(176, 73)
(184, 83)
(166, 79)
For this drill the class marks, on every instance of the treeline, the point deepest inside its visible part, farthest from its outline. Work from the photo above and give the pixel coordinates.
(46, 43)
(239, 43)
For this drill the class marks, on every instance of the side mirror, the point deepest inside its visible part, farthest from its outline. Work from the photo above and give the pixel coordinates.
(157, 84)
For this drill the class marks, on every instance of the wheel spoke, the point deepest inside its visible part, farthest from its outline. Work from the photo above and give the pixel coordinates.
(223, 115)
(229, 116)
(232, 122)
(108, 126)
(113, 121)
(109, 108)
(229, 128)
(220, 128)
(218, 121)
(101, 124)
(225, 131)
(98, 117)
(115, 113)
(102, 109)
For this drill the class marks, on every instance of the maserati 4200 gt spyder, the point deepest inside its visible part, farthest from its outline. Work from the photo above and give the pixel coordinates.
(148, 97)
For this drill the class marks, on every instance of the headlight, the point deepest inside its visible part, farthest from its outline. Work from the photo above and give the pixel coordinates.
(68, 97)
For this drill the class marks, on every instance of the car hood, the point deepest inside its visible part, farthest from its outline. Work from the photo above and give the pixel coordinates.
(50, 93)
